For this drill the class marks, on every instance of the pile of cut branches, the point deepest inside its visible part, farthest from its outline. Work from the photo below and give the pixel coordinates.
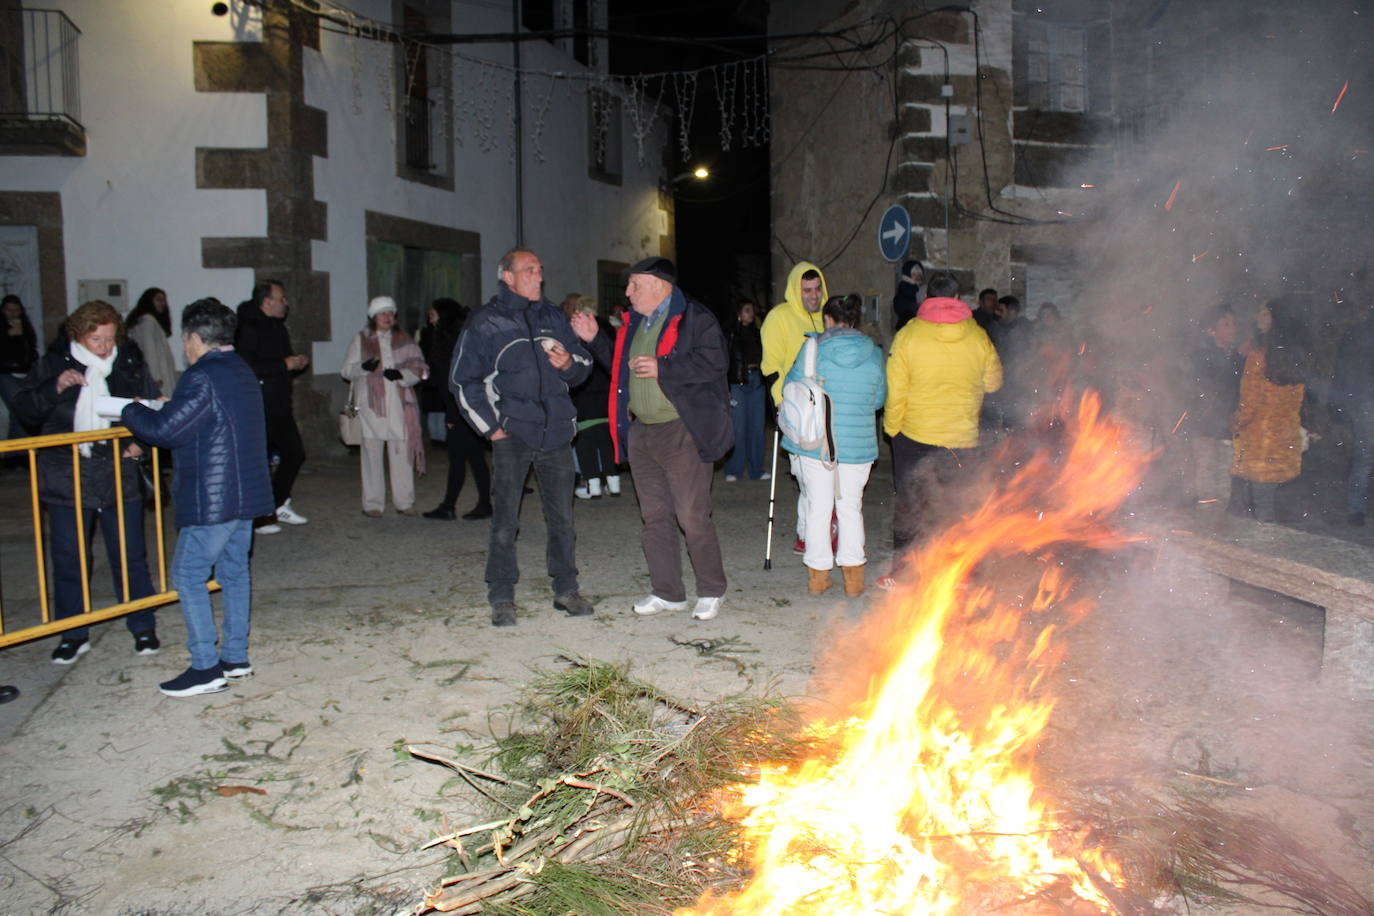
(598, 805)
(604, 803)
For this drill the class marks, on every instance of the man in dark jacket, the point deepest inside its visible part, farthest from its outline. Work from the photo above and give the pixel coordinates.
(670, 405)
(214, 426)
(265, 344)
(516, 359)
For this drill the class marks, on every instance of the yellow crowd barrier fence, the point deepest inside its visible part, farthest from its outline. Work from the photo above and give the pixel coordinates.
(47, 626)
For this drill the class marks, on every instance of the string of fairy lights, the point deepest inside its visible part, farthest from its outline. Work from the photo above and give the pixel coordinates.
(477, 111)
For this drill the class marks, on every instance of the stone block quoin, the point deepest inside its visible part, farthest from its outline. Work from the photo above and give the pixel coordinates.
(296, 133)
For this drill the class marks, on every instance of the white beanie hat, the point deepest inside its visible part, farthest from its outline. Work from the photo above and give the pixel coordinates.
(379, 305)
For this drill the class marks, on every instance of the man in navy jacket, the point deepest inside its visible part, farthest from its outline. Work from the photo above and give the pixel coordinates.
(214, 426)
(512, 369)
(670, 404)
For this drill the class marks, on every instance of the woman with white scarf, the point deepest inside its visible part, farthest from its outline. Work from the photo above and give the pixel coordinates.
(60, 396)
(384, 365)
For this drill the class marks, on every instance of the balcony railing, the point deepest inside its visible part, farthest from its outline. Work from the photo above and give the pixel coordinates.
(40, 84)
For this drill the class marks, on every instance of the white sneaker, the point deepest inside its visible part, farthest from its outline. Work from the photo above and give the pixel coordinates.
(765, 476)
(707, 608)
(267, 529)
(582, 492)
(613, 484)
(647, 607)
(731, 478)
(288, 516)
(594, 487)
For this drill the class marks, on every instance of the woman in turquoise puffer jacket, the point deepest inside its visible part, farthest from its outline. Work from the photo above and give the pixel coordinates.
(850, 368)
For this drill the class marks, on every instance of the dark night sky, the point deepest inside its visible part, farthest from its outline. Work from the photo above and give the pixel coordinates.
(729, 213)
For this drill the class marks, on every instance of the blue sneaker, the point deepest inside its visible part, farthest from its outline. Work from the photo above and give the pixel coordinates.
(195, 681)
(235, 670)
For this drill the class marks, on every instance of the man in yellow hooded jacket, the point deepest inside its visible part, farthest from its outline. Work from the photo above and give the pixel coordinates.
(941, 365)
(784, 332)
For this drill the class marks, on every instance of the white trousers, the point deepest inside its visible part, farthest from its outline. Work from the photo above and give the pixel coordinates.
(402, 474)
(795, 468)
(840, 489)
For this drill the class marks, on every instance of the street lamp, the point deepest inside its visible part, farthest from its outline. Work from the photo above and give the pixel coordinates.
(699, 173)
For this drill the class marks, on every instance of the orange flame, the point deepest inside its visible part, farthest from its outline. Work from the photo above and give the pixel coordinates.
(922, 797)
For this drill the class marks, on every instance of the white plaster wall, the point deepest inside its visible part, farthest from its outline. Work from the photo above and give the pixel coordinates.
(130, 206)
(131, 209)
(571, 221)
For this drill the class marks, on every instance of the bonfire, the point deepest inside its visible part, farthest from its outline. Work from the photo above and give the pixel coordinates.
(912, 789)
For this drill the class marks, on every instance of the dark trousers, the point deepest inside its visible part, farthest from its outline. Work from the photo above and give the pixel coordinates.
(596, 452)
(511, 462)
(285, 439)
(66, 562)
(466, 450)
(1256, 499)
(673, 486)
(920, 472)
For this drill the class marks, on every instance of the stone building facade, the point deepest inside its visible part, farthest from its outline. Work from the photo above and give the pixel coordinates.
(1076, 151)
(200, 150)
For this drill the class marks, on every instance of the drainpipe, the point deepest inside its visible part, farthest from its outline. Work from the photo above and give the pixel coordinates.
(519, 133)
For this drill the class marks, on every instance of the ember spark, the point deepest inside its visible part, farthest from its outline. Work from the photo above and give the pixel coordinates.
(1169, 204)
(1340, 96)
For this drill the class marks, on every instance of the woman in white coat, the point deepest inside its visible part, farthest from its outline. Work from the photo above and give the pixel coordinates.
(384, 365)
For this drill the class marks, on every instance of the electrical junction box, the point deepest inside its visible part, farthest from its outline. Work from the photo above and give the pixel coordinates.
(115, 292)
(960, 130)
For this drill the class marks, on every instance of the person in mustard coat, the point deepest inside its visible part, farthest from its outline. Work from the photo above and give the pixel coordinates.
(1267, 425)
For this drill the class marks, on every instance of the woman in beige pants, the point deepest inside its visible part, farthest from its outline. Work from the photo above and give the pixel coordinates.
(384, 365)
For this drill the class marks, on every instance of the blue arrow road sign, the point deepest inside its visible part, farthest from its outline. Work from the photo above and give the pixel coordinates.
(894, 233)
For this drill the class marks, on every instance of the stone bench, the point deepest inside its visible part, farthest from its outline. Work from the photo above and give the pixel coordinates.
(1335, 575)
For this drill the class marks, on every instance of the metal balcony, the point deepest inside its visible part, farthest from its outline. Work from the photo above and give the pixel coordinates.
(40, 84)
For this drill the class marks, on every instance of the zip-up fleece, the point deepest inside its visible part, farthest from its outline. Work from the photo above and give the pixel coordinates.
(692, 361)
(501, 375)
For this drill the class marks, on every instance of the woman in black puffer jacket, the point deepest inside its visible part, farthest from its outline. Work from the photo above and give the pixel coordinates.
(59, 396)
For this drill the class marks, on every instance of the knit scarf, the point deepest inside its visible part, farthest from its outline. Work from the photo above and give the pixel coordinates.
(404, 355)
(97, 371)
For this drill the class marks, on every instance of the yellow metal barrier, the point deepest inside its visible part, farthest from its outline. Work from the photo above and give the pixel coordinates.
(48, 626)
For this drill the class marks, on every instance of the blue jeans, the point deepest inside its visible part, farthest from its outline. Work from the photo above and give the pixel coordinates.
(746, 413)
(511, 461)
(224, 549)
(1361, 459)
(66, 562)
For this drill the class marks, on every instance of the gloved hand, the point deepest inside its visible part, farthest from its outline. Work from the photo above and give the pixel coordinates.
(393, 374)
(370, 364)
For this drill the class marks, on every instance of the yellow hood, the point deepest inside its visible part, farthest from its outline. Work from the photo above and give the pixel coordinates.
(785, 328)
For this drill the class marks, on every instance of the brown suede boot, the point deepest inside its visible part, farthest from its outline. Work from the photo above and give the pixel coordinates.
(818, 580)
(853, 580)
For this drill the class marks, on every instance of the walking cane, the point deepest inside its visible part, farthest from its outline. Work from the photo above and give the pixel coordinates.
(772, 489)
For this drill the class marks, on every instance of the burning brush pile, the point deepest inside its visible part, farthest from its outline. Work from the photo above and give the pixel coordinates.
(912, 790)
